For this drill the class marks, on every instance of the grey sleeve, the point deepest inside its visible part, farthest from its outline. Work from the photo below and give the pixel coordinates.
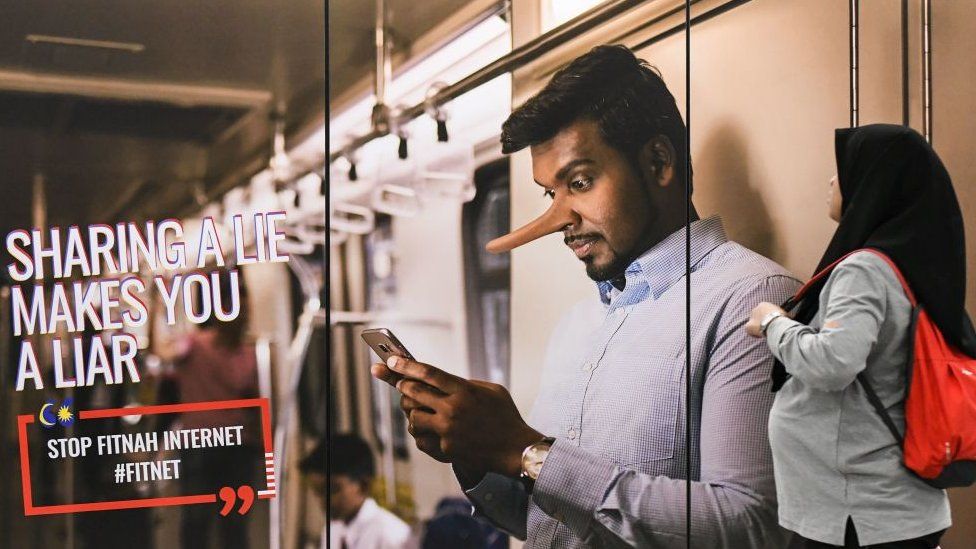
(733, 502)
(854, 306)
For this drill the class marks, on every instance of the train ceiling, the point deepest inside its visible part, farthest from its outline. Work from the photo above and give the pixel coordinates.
(351, 34)
(132, 109)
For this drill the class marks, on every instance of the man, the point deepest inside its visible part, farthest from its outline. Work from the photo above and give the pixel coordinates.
(605, 456)
(356, 521)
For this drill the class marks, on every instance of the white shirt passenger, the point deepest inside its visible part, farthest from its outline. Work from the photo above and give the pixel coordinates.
(372, 528)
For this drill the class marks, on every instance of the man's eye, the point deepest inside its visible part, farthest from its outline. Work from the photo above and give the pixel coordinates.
(581, 184)
(550, 193)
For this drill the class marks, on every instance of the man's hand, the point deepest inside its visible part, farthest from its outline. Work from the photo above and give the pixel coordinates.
(474, 423)
(757, 316)
(427, 442)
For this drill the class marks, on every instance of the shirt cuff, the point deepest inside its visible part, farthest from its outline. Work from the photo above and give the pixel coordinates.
(502, 500)
(572, 485)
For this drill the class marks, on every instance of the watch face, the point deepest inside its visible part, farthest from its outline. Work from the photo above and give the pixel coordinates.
(533, 458)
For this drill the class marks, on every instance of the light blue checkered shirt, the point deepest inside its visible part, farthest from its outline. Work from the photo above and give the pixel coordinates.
(613, 395)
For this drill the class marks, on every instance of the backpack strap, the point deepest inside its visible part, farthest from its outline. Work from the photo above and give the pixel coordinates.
(823, 273)
(879, 407)
(820, 275)
(901, 278)
(869, 391)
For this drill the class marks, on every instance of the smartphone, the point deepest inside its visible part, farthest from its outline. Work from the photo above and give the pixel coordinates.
(385, 344)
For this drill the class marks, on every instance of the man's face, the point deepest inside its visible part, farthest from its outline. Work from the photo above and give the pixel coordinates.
(316, 483)
(610, 201)
(346, 496)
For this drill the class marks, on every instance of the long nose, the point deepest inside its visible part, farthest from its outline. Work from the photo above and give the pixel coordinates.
(553, 220)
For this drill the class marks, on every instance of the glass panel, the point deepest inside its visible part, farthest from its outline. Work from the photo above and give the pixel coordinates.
(557, 12)
(765, 149)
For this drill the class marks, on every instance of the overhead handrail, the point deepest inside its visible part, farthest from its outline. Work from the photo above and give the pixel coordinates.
(368, 317)
(518, 57)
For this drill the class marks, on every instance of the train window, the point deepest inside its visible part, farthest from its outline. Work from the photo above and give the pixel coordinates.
(557, 12)
(488, 275)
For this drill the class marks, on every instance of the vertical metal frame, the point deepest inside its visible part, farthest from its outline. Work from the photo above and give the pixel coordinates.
(384, 66)
(855, 9)
(688, 209)
(927, 70)
(905, 111)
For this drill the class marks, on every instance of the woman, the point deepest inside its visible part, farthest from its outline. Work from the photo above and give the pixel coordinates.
(219, 362)
(839, 474)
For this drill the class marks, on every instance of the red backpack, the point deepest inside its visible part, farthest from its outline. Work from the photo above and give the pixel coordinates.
(940, 410)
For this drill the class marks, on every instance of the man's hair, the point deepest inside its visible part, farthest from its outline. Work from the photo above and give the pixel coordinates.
(351, 456)
(611, 86)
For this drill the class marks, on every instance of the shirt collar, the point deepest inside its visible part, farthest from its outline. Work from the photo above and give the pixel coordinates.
(364, 517)
(664, 264)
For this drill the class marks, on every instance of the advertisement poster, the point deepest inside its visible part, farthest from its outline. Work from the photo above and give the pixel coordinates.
(487, 274)
(162, 288)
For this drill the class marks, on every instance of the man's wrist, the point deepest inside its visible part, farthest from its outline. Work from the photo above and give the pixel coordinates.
(468, 476)
(513, 459)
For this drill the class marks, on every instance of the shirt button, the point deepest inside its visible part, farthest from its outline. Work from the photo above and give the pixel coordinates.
(571, 433)
(489, 496)
(588, 366)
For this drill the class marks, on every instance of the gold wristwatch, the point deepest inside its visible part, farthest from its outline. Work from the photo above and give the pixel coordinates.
(533, 457)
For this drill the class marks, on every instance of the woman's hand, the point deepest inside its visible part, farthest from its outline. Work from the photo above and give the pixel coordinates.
(758, 314)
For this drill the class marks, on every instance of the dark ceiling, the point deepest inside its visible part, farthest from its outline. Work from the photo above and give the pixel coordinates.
(79, 115)
(156, 99)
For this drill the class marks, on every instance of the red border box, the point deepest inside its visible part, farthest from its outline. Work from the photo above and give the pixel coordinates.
(31, 509)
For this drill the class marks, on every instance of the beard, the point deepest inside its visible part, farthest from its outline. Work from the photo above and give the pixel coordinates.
(612, 269)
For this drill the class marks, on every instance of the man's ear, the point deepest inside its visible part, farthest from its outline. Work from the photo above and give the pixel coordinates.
(656, 160)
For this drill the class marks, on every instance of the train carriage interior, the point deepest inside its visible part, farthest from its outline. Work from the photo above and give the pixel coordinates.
(383, 117)
(770, 81)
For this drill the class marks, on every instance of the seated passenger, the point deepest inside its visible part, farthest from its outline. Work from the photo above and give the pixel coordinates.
(357, 521)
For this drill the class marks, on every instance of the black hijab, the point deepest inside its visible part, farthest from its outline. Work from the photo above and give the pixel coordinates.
(898, 198)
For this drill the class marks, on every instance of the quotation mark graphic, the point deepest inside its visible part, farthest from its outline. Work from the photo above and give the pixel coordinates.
(229, 497)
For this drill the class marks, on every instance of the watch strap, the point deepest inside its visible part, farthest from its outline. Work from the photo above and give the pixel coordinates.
(768, 319)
